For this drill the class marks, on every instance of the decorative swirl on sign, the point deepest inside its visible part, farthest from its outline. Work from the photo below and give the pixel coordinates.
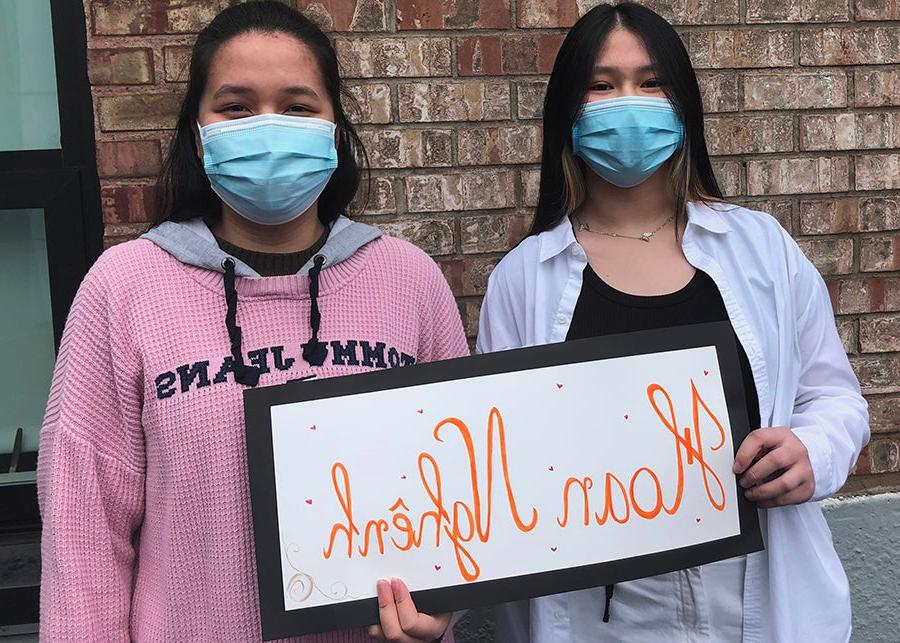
(301, 585)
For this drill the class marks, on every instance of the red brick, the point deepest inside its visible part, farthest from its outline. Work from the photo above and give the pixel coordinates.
(128, 159)
(850, 46)
(878, 373)
(879, 213)
(531, 183)
(884, 414)
(829, 216)
(880, 333)
(530, 98)
(122, 17)
(469, 311)
(694, 12)
(547, 13)
(177, 60)
(781, 209)
(798, 175)
(728, 174)
(120, 66)
(454, 101)
(885, 455)
(453, 14)
(850, 131)
(879, 254)
(795, 90)
(493, 232)
(455, 191)
(877, 9)
(435, 235)
(877, 171)
(468, 276)
(866, 295)
(498, 55)
(719, 91)
(876, 87)
(378, 197)
(346, 15)
(499, 145)
(564, 13)
(392, 148)
(138, 112)
(798, 10)
(749, 134)
(371, 103)
(847, 329)
(128, 203)
(744, 48)
(829, 256)
(115, 233)
(367, 57)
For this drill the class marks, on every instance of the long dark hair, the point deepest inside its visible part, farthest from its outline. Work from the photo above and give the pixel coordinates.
(562, 188)
(183, 190)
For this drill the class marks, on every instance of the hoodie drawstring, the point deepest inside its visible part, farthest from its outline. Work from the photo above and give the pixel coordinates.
(314, 351)
(609, 594)
(243, 374)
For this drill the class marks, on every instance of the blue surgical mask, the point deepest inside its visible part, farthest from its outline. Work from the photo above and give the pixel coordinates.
(627, 139)
(269, 168)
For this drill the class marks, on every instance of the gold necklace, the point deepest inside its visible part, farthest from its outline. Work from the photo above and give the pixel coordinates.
(645, 236)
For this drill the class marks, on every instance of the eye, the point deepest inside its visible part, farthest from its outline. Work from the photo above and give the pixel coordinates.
(653, 83)
(600, 86)
(299, 109)
(235, 109)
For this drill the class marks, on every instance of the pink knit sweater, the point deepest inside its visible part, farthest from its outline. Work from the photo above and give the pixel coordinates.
(142, 468)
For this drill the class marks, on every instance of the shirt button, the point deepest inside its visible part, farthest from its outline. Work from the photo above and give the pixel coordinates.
(561, 319)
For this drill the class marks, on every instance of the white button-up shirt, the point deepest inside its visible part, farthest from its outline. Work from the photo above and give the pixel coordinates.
(796, 589)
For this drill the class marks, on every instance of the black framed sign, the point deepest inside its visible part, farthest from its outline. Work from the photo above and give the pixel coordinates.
(497, 477)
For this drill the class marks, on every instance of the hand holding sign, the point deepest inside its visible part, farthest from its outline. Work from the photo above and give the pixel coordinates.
(400, 621)
(776, 468)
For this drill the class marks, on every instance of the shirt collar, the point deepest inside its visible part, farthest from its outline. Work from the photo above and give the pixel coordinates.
(561, 237)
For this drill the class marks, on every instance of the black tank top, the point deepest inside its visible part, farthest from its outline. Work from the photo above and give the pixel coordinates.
(603, 310)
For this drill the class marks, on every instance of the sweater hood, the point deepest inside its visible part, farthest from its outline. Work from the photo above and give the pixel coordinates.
(192, 243)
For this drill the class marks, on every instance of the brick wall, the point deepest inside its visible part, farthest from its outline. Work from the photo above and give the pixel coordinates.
(803, 98)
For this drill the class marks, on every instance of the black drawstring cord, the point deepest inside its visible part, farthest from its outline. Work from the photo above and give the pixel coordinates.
(243, 374)
(314, 351)
(609, 594)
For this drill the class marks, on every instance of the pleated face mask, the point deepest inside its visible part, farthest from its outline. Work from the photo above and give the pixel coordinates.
(625, 140)
(269, 168)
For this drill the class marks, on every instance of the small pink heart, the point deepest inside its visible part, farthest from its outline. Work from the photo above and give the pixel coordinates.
(309, 501)
(697, 519)
(312, 428)
(553, 549)
(705, 372)
(403, 477)
(550, 468)
(626, 416)
(559, 386)
(420, 411)
(437, 568)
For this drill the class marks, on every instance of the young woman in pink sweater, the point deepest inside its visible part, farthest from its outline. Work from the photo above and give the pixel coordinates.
(253, 277)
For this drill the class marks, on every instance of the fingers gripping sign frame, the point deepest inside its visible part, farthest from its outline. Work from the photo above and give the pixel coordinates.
(497, 477)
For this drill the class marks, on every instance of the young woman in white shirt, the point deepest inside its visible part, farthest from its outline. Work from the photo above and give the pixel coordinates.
(631, 233)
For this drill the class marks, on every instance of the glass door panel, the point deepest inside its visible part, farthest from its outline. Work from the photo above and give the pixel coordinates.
(28, 98)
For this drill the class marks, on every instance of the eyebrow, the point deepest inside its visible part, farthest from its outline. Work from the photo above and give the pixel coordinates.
(298, 90)
(599, 69)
